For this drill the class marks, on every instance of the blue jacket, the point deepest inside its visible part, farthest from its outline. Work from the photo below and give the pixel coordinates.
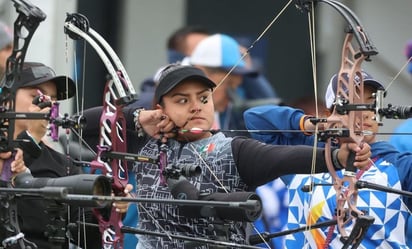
(272, 117)
(401, 142)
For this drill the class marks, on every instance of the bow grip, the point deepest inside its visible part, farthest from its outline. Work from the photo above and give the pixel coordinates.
(350, 169)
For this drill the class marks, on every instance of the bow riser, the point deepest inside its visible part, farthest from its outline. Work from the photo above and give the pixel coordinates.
(112, 138)
(346, 121)
(118, 92)
(349, 96)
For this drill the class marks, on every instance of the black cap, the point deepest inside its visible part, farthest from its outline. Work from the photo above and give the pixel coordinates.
(368, 80)
(174, 75)
(35, 73)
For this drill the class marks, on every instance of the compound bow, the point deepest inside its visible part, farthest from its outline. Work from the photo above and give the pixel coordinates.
(118, 92)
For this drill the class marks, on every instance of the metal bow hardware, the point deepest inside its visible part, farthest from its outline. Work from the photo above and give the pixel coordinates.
(345, 123)
(56, 121)
(118, 92)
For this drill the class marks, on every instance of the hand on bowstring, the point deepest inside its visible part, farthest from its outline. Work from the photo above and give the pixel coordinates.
(122, 206)
(157, 124)
(362, 154)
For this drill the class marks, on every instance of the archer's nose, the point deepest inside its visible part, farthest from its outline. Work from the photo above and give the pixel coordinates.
(368, 115)
(195, 109)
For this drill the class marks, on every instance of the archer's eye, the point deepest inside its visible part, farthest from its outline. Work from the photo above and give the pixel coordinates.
(182, 101)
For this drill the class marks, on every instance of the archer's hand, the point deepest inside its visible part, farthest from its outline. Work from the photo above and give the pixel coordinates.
(363, 154)
(18, 165)
(156, 124)
(121, 206)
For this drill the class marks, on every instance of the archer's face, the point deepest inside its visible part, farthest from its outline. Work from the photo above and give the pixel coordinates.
(191, 42)
(190, 105)
(24, 99)
(369, 122)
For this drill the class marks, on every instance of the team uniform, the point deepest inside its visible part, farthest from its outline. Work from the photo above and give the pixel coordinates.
(239, 163)
(389, 210)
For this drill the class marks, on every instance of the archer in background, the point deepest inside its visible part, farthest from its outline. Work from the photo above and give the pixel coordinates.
(35, 213)
(403, 142)
(389, 210)
(184, 102)
(245, 87)
(179, 44)
(216, 55)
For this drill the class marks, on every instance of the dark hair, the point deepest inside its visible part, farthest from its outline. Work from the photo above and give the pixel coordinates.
(174, 41)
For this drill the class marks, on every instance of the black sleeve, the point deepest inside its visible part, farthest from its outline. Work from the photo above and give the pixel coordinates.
(259, 163)
(31, 150)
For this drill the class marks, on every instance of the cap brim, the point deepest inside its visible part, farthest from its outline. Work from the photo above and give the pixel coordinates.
(374, 84)
(199, 78)
(65, 86)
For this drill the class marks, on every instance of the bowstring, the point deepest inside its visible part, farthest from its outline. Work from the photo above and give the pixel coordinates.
(265, 30)
(243, 55)
(220, 183)
(79, 108)
(399, 73)
(312, 41)
(156, 222)
(253, 44)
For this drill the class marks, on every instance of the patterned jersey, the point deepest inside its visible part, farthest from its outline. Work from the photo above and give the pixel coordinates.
(389, 211)
(212, 154)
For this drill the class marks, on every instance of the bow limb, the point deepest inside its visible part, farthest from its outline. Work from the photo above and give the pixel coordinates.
(118, 92)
